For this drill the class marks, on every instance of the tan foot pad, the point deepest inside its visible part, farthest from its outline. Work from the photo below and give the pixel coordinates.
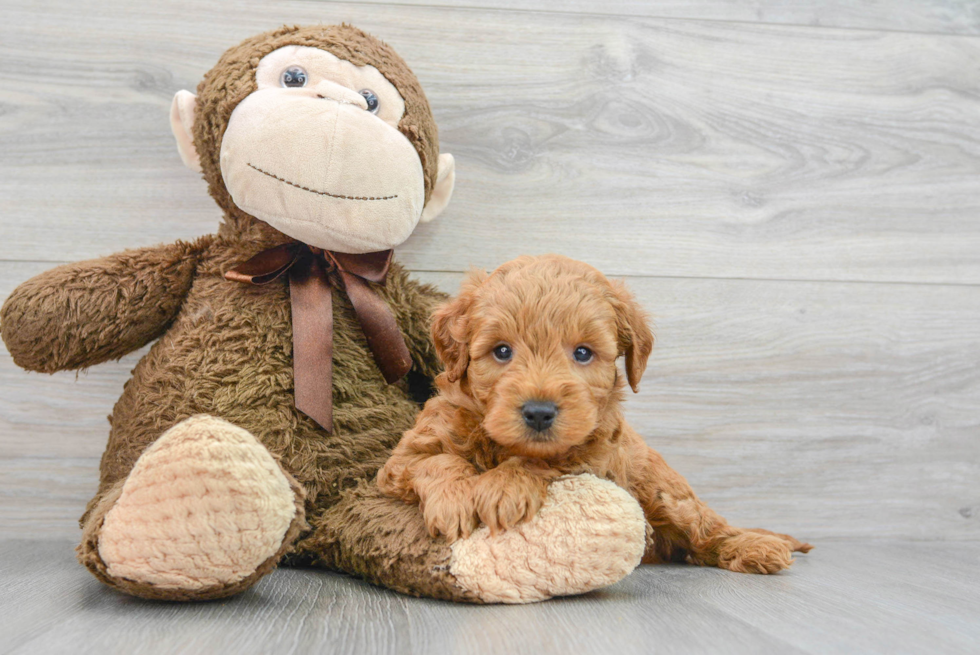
(204, 506)
(589, 534)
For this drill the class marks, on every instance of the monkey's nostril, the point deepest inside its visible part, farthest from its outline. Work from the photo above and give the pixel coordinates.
(319, 96)
(539, 415)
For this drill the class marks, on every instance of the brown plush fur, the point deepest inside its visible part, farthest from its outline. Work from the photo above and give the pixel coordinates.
(225, 349)
(471, 458)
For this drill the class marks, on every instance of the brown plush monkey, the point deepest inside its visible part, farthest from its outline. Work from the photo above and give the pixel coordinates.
(231, 447)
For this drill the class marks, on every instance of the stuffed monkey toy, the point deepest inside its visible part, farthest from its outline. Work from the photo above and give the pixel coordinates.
(251, 432)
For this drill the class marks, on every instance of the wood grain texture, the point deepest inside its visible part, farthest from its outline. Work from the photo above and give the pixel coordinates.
(649, 146)
(44, 495)
(938, 16)
(842, 598)
(796, 205)
(822, 409)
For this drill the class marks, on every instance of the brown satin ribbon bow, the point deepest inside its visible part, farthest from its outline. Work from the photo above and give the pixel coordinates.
(311, 299)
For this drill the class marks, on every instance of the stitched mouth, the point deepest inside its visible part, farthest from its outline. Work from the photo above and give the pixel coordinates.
(319, 193)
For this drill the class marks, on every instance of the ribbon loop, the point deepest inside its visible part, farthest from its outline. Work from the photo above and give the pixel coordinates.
(371, 266)
(312, 312)
(267, 265)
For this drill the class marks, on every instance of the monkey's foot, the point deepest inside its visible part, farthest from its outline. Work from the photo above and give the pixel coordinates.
(204, 513)
(589, 534)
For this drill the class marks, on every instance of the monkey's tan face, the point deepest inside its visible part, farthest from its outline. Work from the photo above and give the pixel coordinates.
(315, 152)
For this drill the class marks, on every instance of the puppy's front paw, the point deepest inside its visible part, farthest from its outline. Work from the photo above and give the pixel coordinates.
(506, 496)
(752, 552)
(794, 543)
(450, 513)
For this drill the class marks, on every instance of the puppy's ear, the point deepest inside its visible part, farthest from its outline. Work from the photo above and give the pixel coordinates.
(635, 337)
(450, 327)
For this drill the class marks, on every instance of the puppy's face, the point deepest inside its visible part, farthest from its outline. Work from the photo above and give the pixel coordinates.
(536, 345)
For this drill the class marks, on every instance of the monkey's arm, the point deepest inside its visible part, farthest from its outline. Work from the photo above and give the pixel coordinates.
(413, 303)
(89, 312)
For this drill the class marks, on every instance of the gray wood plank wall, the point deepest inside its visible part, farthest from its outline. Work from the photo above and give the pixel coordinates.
(792, 189)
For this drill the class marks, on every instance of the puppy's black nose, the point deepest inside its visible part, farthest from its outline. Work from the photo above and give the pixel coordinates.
(539, 415)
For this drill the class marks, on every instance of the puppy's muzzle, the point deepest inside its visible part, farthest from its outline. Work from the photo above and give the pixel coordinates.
(539, 415)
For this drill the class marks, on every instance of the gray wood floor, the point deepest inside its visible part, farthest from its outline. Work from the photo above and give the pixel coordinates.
(791, 188)
(844, 597)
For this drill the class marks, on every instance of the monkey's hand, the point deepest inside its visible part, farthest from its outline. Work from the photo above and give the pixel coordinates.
(89, 312)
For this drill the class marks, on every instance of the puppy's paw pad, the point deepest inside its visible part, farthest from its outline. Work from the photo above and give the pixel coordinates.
(751, 552)
(589, 534)
(204, 506)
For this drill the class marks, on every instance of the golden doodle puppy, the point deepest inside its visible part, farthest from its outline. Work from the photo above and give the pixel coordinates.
(531, 391)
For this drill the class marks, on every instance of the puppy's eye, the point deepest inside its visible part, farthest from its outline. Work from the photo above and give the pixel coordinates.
(293, 77)
(503, 353)
(372, 100)
(582, 355)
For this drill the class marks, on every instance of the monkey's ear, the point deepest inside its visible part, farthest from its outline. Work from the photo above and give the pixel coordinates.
(182, 124)
(442, 190)
(450, 327)
(635, 336)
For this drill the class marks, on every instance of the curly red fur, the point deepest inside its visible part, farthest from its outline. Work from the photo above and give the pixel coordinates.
(472, 458)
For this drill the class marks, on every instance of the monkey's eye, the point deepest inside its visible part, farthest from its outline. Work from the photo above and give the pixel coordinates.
(372, 100)
(502, 353)
(582, 355)
(293, 77)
